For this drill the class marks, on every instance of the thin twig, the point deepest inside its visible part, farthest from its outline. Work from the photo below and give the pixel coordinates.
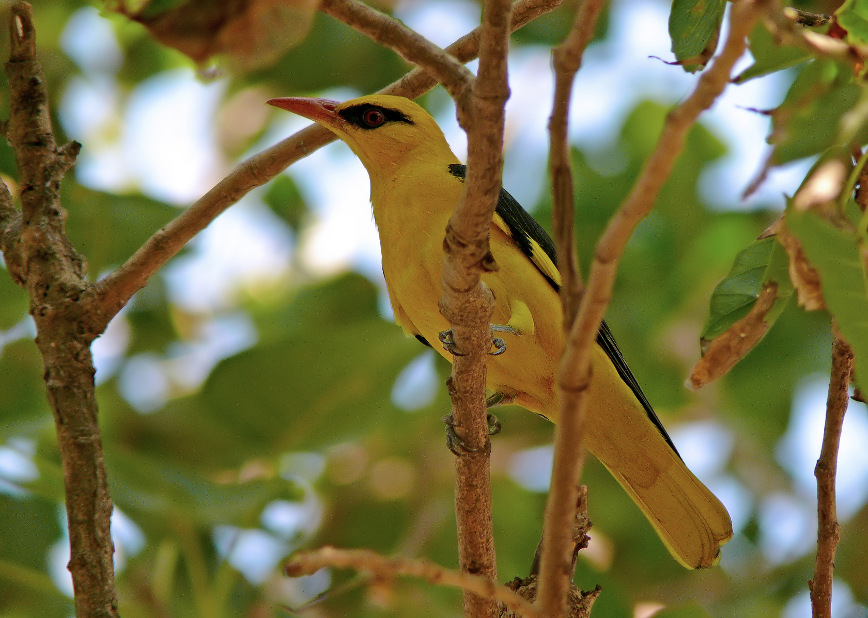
(113, 292)
(381, 567)
(555, 579)
(575, 369)
(41, 258)
(567, 59)
(825, 471)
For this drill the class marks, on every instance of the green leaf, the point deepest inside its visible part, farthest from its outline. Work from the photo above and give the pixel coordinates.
(852, 16)
(13, 301)
(689, 610)
(769, 55)
(817, 113)
(107, 229)
(324, 381)
(29, 518)
(334, 55)
(694, 26)
(30, 527)
(761, 262)
(22, 391)
(321, 373)
(283, 197)
(150, 319)
(152, 487)
(838, 255)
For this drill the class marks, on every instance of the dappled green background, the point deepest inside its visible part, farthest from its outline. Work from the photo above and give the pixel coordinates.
(294, 438)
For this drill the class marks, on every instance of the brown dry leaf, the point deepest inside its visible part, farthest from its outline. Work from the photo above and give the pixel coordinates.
(724, 351)
(804, 277)
(250, 33)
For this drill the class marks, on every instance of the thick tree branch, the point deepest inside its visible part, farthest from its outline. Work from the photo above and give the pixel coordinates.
(825, 471)
(113, 292)
(575, 370)
(41, 258)
(468, 304)
(567, 57)
(383, 568)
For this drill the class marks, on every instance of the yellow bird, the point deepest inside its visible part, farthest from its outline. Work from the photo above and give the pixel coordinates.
(416, 181)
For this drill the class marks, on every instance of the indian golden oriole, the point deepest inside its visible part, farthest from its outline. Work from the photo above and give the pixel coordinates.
(416, 181)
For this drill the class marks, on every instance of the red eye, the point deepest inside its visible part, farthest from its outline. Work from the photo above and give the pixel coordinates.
(373, 118)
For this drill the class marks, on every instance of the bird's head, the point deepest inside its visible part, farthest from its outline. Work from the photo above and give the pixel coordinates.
(384, 131)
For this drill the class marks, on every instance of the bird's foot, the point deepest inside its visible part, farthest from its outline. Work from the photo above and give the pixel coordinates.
(494, 425)
(456, 444)
(498, 343)
(447, 338)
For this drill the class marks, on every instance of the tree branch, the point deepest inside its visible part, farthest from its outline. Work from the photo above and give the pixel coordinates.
(825, 471)
(575, 369)
(411, 45)
(468, 304)
(113, 292)
(567, 59)
(380, 567)
(555, 576)
(41, 258)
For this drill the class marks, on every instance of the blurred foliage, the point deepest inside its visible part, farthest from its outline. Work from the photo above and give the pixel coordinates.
(301, 419)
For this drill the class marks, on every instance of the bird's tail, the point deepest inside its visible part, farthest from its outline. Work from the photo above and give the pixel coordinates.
(690, 520)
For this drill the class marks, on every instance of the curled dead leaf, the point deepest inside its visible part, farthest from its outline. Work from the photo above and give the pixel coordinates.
(805, 278)
(723, 352)
(250, 33)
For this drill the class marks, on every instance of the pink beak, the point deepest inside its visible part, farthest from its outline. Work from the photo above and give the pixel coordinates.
(318, 110)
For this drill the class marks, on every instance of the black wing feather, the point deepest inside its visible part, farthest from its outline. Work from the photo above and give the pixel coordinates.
(525, 228)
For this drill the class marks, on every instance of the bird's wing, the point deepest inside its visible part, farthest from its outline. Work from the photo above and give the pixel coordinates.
(537, 245)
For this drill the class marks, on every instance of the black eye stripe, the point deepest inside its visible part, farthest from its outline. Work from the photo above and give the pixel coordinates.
(355, 115)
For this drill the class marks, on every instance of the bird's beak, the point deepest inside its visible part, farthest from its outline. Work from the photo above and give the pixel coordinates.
(318, 110)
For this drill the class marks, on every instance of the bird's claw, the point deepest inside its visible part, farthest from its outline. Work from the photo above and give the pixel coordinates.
(498, 343)
(447, 338)
(499, 346)
(494, 425)
(455, 444)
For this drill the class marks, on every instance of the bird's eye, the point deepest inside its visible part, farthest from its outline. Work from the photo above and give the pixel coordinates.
(373, 118)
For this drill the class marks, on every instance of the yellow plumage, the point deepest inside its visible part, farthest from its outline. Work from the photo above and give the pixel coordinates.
(416, 181)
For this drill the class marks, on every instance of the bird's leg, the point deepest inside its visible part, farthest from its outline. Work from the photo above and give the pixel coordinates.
(499, 399)
(448, 340)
